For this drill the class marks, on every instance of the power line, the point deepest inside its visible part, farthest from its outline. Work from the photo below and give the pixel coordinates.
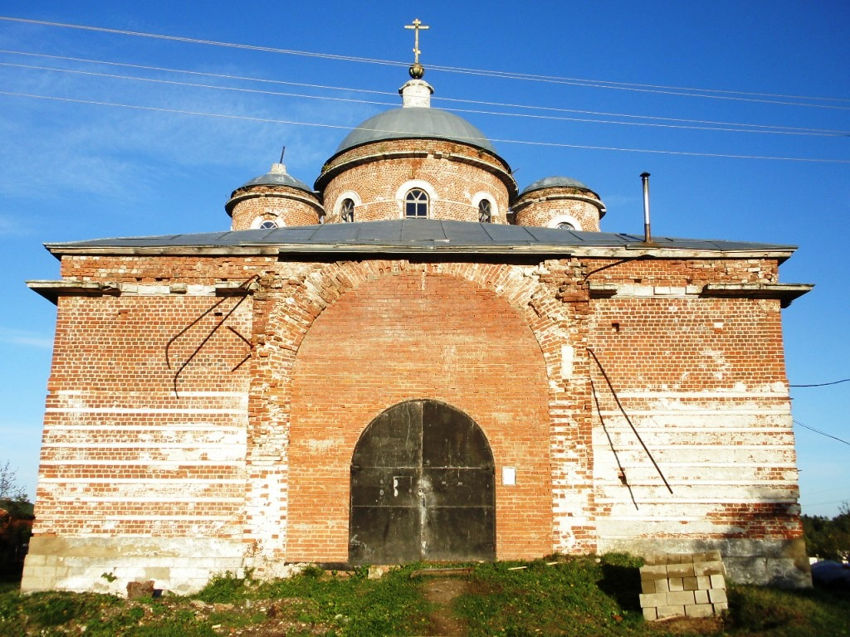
(348, 127)
(834, 382)
(719, 94)
(709, 124)
(810, 133)
(822, 433)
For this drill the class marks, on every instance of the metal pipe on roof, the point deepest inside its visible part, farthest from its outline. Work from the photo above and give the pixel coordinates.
(647, 234)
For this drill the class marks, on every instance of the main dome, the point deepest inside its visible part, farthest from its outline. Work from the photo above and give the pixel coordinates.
(416, 122)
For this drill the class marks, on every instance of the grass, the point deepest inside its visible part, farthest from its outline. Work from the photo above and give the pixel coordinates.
(577, 596)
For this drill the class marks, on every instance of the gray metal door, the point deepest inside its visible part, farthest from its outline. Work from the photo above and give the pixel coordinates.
(422, 483)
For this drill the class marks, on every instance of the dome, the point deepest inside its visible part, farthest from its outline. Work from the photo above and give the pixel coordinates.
(416, 122)
(554, 182)
(277, 176)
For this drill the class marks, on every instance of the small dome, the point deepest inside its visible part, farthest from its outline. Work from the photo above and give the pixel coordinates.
(412, 122)
(277, 176)
(554, 182)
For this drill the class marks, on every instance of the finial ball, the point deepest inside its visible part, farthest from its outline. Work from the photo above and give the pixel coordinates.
(416, 71)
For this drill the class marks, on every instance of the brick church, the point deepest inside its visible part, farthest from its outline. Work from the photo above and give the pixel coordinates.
(412, 359)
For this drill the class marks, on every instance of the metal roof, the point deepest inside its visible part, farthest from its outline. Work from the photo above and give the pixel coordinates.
(276, 179)
(554, 182)
(413, 122)
(414, 236)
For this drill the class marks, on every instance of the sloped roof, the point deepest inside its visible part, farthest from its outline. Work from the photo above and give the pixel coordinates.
(416, 122)
(554, 182)
(412, 236)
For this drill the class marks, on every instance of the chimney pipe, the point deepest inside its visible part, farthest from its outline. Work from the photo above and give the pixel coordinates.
(647, 235)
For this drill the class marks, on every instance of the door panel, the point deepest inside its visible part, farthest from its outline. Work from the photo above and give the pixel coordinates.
(422, 487)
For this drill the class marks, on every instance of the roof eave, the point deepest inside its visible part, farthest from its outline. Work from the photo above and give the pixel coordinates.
(546, 250)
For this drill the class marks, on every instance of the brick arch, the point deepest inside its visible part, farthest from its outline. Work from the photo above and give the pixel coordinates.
(302, 320)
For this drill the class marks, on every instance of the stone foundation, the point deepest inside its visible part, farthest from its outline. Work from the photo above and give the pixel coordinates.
(782, 563)
(106, 565)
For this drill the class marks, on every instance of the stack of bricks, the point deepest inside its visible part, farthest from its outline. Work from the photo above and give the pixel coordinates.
(683, 585)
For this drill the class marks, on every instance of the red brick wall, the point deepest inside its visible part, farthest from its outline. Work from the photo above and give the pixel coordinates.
(285, 206)
(121, 452)
(417, 336)
(261, 453)
(455, 182)
(539, 207)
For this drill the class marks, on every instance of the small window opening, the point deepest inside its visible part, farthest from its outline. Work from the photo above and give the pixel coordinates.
(416, 204)
(485, 211)
(565, 225)
(268, 224)
(347, 211)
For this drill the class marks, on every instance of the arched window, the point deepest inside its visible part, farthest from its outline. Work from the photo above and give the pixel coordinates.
(268, 224)
(485, 211)
(346, 211)
(565, 225)
(416, 204)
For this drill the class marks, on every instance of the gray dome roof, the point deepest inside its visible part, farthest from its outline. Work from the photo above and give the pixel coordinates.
(413, 122)
(554, 182)
(274, 178)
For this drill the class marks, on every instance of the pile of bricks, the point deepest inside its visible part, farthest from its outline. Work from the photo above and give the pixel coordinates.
(683, 585)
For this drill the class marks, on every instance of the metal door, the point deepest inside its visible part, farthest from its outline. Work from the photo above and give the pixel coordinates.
(422, 483)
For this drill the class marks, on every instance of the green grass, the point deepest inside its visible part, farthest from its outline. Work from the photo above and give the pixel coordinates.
(576, 596)
(581, 596)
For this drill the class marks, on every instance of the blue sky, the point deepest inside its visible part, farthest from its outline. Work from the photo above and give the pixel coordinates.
(71, 170)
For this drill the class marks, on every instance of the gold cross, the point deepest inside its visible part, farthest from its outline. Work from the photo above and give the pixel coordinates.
(416, 26)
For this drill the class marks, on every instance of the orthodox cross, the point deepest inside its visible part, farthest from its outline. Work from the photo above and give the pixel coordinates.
(416, 26)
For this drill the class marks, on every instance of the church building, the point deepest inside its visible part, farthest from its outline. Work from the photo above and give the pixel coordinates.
(412, 360)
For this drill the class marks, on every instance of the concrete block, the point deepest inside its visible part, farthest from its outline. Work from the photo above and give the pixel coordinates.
(703, 582)
(709, 568)
(701, 597)
(647, 586)
(653, 599)
(670, 611)
(654, 559)
(690, 583)
(717, 596)
(662, 585)
(676, 584)
(718, 581)
(699, 610)
(719, 608)
(157, 573)
(653, 571)
(650, 613)
(681, 597)
(680, 570)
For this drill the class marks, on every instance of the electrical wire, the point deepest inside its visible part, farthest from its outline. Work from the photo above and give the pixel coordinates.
(822, 433)
(348, 127)
(270, 120)
(711, 124)
(834, 382)
(809, 133)
(718, 94)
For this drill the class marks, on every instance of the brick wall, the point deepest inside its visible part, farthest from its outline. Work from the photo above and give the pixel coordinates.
(540, 207)
(250, 459)
(455, 171)
(281, 204)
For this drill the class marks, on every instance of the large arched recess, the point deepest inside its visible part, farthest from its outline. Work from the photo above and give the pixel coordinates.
(406, 336)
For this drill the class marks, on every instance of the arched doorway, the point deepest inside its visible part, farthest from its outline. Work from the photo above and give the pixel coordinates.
(422, 487)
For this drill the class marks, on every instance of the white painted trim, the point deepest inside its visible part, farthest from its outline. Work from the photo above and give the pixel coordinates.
(348, 194)
(483, 194)
(277, 219)
(409, 185)
(553, 223)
